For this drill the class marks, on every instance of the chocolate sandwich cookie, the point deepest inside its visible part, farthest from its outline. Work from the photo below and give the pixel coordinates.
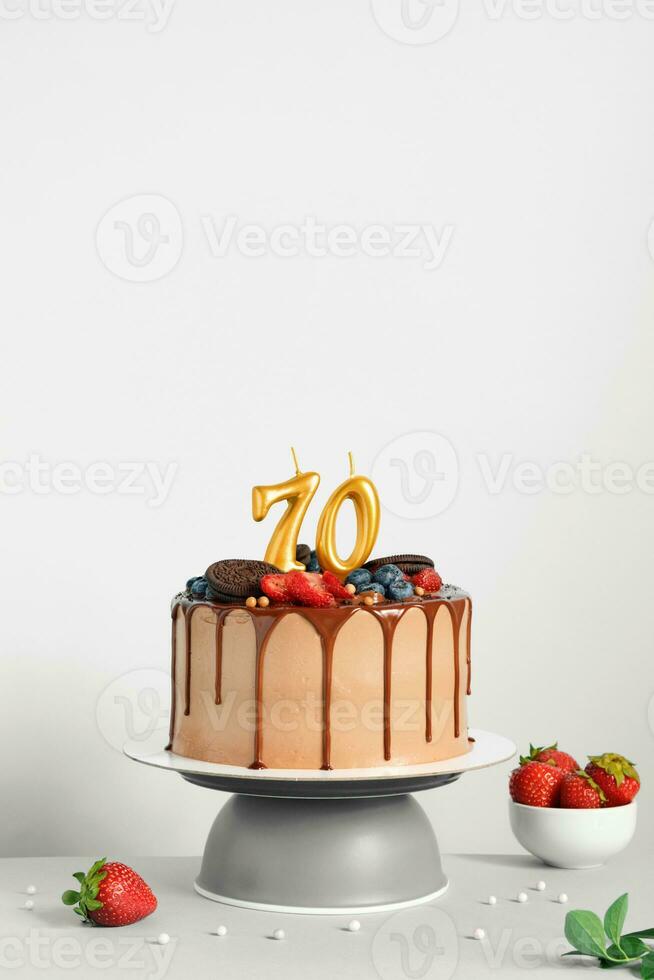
(234, 579)
(409, 564)
(303, 554)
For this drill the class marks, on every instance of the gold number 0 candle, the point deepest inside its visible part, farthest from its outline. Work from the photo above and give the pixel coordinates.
(363, 494)
(299, 492)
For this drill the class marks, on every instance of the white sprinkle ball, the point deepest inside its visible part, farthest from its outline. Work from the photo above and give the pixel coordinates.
(563, 898)
(479, 934)
(221, 931)
(29, 904)
(492, 900)
(354, 925)
(279, 934)
(163, 938)
(31, 889)
(541, 886)
(523, 897)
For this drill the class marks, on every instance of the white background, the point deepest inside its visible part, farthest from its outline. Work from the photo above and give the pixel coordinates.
(533, 140)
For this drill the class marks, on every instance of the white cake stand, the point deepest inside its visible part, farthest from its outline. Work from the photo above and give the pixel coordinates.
(336, 842)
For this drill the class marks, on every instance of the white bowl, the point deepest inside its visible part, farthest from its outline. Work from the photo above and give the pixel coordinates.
(573, 838)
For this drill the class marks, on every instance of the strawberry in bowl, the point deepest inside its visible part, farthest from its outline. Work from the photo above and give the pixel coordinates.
(570, 817)
(616, 777)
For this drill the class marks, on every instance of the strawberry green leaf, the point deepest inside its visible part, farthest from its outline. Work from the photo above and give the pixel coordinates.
(615, 918)
(647, 967)
(80, 876)
(640, 934)
(92, 904)
(584, 931)
(70, 897)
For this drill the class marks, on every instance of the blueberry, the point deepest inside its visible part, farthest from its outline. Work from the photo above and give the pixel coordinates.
(189, 584)
(313, 565)
(400, 590)
(387, 574)
(360, 578)
(373, 587)
(199, 587)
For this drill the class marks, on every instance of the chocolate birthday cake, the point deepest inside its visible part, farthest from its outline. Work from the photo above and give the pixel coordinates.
(320, 665)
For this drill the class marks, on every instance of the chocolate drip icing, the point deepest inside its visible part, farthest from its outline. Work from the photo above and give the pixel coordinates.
(468, 658)
(327, 624)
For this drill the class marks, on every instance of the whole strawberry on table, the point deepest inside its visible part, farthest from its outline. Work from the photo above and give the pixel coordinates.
(548, 777)
(110, 894)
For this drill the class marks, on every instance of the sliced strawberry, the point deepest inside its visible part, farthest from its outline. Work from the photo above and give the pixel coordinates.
(307, 589)
(334, 586)
(275, 587)
(428, 579)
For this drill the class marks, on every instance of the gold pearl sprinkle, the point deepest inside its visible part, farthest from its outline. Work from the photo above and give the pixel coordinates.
(263, 601)
(419, 590)
(250, 602)
(350, 588)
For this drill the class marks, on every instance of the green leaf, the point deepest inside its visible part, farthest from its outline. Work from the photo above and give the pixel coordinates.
(647, 967)
(584, 931)
(80, 876)
(79, 912)
(96, 866)
(93, 903)
(70, 897)
(615, 917)
(640, 934)
(633, 947)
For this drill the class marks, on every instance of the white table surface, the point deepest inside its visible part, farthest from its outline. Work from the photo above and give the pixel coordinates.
(428, 941)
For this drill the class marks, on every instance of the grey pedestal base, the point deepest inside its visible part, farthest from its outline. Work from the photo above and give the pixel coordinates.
(321, 855)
